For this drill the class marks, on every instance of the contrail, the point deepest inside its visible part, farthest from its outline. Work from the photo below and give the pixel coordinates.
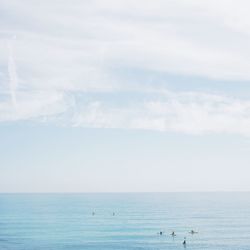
(13, 79)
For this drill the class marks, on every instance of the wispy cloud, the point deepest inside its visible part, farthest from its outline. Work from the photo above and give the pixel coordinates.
(195, 113)
(36, 106)
(13, 79)
(81, 64)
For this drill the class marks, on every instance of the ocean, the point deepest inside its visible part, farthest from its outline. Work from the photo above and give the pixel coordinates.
(125, 221)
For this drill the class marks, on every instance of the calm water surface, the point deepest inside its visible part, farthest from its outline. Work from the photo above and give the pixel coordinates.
(65, 221)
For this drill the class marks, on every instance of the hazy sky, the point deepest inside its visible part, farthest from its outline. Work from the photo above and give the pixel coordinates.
(116, 95)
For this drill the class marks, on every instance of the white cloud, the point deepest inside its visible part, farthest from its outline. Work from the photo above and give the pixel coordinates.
(12, 75)
(35, 106)
(194, 113)
(76, 40)
(64, 50)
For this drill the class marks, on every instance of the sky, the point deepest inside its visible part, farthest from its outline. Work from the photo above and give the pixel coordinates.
(124, 96)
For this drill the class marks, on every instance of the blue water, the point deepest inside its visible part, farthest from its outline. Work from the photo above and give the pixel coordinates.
(65, 221)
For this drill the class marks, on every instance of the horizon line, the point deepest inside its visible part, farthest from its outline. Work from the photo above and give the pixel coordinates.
(129, 192)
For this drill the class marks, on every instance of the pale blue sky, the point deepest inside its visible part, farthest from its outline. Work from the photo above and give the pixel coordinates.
(115, 95)
(45, 158)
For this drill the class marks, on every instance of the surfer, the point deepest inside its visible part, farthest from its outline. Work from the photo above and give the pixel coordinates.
(184, 242)
(173, 234)
(193, 232)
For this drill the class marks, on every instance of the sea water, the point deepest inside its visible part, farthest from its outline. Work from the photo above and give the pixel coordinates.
(125, 221)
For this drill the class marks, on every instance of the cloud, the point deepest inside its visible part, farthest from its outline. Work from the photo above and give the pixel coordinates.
(13, 79)
(80, 64)
(85, 39)
(191, 113)
(36, 106)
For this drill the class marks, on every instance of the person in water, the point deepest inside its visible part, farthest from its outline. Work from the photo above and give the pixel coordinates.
(173, 234)
(161, 233)
(184, 242)
(193, 232)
